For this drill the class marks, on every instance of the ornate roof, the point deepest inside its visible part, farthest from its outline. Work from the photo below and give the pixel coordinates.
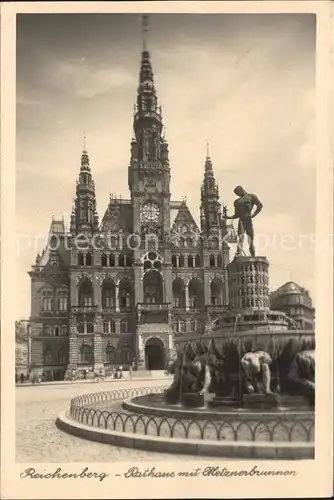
(184, 221)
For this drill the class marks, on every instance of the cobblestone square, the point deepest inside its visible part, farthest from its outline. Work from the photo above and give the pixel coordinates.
(39, 440)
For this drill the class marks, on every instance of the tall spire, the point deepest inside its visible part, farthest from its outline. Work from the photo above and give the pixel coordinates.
(145, 31)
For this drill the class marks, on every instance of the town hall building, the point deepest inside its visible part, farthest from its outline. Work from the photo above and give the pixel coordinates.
(118, 291)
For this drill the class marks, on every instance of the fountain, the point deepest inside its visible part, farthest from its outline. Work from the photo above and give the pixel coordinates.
(248, 378)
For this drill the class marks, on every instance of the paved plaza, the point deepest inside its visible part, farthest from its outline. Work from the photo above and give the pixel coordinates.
(39, 440)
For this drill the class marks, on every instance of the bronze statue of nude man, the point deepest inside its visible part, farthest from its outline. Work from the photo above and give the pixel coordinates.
(243, 207)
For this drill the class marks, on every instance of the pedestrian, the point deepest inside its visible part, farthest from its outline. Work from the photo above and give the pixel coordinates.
(85, 374)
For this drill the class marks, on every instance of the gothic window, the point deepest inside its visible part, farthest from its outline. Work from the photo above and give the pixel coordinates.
(80, 259)
(86, 354)
(153, 287)
(86, 293)
(181, 261)
(64, 330)
(121, 261)
(195, 294)
(111, 260)
(124, 326)
(178, 293)
(197, 261)
(182, 242)
(110, 354)
(212, 261)
(190, 261)
(128, 260)
(108, 294)
(189, 242)
(219, 261)
(174, 261)
(125, 294)
(48, 358)
(103, 260)
(88, 259)
(56, 331)
(61, 357)
(184, 228)
(216, 291)
(47, 300)
(62, 301)
(213, 243)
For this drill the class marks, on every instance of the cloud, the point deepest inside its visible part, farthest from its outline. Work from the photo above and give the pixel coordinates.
(87, 80)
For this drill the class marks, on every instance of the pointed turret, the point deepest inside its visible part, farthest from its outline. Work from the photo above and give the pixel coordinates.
(210, 204)
(84, 217)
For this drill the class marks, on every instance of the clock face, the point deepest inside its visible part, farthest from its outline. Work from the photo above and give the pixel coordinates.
(150, 213)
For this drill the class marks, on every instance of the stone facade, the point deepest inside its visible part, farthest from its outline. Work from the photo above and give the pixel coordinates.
(296, 302)
(118, 292)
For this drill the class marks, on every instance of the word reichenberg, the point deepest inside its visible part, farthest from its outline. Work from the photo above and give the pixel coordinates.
(58, 474)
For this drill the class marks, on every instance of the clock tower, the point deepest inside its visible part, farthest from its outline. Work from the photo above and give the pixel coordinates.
(149, 172)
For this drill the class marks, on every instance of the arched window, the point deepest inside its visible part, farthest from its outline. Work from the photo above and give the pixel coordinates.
(197, 261)
(108, 294)
(47, 331)
(189, 242)
(174, 261)
(216, 291)
(195, 294)
(64, 330)
(121, 260)
(61, 357)
(125, 294)
(80, 259)
(48, 358)
(103, 260)
(219, 261)
(128, 260)
(124, 326)
(182, 242)
(190, 261)
(85, 293)
(62, 300)
(88, 259)
(56, 331)
(181, 261)
(153, 287)
(86, 354)
(178, 293)
(212, 261)
(110, 354)
(111, 260)
(47, 300)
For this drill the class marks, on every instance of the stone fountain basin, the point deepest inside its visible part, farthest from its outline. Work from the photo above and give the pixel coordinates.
(154, 405)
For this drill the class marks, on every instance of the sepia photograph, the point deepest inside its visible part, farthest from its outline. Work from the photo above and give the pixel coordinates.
(166, 239)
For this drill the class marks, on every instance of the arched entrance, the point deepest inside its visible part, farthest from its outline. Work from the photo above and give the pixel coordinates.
(154, 354)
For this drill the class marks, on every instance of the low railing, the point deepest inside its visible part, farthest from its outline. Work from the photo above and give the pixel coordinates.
(234, 427)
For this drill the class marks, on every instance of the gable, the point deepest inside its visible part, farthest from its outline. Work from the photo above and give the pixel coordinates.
(184, 222)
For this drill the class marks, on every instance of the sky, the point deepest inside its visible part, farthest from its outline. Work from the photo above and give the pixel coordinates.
(245, 83)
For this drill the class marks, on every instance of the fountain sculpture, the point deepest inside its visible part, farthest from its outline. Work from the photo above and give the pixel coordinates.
(251, 356)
